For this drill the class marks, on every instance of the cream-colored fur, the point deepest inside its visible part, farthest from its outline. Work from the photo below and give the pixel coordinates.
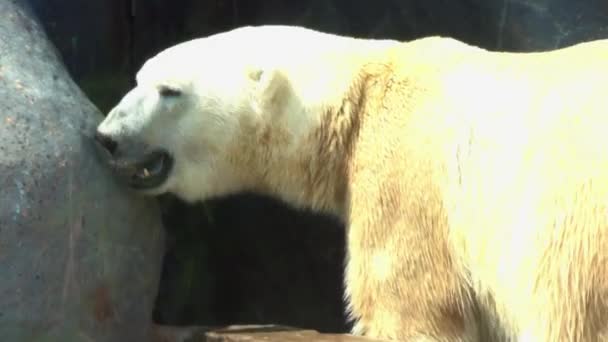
(473, 184)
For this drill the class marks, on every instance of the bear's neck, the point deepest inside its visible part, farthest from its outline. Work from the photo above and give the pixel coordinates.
(303, 155)
(313, 171)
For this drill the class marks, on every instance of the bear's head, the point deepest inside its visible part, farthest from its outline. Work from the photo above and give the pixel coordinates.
(190, 123)
(228, 112)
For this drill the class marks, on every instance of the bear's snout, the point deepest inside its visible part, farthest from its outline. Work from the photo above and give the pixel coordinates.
(141, 166)
(107, 142)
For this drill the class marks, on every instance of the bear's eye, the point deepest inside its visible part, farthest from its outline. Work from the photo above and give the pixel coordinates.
(168, 91)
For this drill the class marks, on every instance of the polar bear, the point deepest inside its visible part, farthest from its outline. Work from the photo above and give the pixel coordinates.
(473, 184)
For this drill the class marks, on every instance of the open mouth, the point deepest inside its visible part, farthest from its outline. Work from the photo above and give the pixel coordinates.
(145, 173)
(150, 172)
(139, 167)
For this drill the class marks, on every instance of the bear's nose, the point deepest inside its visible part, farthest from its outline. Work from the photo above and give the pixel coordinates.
(106, 141)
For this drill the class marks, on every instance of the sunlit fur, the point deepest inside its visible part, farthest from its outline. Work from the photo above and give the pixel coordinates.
(473, 185)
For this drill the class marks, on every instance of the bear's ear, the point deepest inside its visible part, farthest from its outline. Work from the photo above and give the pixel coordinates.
(269, 89)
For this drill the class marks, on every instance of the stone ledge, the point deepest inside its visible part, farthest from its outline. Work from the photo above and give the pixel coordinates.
(250, 333)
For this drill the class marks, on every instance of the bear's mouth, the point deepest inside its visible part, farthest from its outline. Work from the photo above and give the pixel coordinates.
(152, 171)
(144, 173)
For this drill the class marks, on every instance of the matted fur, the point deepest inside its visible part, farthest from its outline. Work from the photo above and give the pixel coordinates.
(473, 184)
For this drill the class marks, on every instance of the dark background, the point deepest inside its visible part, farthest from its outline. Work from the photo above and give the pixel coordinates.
(248, 259)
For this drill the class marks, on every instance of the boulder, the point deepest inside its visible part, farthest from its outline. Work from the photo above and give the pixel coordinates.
(80, 256)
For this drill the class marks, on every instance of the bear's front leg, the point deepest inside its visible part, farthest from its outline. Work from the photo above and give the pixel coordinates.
(402, 278)
(407, 293)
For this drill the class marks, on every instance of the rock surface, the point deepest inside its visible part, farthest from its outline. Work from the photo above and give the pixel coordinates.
(79, 257)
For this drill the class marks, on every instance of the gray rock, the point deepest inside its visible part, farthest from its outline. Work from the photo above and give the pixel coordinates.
(79, 256)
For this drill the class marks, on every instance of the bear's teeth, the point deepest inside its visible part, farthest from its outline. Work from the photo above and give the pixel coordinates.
(143, 173)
